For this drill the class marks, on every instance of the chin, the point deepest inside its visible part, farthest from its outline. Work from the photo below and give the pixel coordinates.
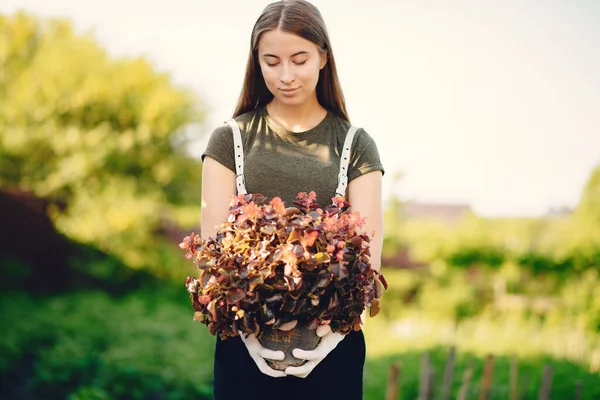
(291, 101)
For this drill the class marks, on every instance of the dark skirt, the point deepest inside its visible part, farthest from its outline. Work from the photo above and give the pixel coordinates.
(338, 376)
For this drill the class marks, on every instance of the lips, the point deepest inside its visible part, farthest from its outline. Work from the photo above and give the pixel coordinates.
(289, 90)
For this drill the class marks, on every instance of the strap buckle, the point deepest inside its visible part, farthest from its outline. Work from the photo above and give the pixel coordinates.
(342, 184)
(240, 180)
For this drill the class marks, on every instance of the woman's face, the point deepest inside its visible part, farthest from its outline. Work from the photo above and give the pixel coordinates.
(290, 66)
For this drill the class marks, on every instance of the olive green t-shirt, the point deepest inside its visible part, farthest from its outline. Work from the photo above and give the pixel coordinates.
(278, 162)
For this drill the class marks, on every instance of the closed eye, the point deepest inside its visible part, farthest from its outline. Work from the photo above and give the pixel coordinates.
(295, 62)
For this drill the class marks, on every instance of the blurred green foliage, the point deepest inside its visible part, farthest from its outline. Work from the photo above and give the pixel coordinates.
(542, 316)
(427, 311)
(92, 346)
(104, 136)
(562, 244)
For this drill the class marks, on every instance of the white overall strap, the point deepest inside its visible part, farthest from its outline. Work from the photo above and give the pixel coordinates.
(238, 148)
(344, 161)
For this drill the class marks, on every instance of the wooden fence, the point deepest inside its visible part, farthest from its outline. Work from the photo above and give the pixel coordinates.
(432, 389)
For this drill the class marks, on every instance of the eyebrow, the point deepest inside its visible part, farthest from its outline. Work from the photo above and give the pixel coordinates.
(293, 55)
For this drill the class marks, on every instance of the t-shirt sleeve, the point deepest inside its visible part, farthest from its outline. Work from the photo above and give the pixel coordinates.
(364, 157)
(220, 147)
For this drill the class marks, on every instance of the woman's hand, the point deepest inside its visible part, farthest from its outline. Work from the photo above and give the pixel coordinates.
(260, 353)
(329, 341)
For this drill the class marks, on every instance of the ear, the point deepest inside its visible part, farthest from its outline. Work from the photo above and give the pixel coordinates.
(323, 60)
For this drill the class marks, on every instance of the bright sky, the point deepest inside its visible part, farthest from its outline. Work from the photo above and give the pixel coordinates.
(495, 103)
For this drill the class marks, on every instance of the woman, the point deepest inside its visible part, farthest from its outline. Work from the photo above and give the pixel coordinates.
(293, 123)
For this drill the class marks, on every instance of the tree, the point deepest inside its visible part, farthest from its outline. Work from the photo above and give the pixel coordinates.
(101, 135)
(588, 209)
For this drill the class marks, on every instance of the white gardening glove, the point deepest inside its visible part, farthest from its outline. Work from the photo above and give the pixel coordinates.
(259, 353)
(329, 340)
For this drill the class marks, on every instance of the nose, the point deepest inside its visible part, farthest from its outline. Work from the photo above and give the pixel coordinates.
(287, 76)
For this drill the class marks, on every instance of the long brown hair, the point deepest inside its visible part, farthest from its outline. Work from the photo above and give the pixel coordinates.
(303, 19)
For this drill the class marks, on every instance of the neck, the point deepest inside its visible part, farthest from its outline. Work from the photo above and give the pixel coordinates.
(297, 118)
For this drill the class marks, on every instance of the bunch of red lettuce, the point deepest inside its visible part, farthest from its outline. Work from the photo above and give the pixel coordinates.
(272, 266)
